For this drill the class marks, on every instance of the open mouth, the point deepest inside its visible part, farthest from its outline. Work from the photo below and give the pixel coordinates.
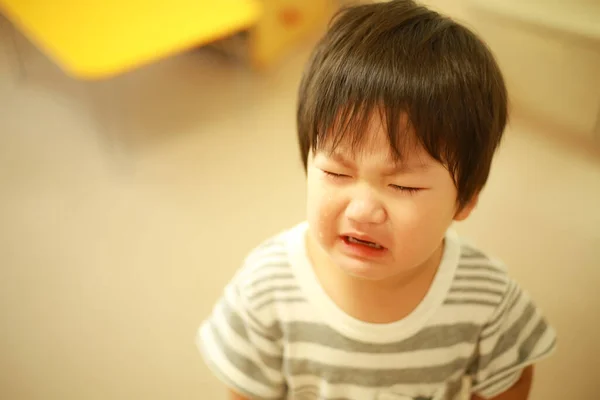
(353, 240)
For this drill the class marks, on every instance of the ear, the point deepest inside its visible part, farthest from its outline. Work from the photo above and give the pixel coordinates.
(464, 212)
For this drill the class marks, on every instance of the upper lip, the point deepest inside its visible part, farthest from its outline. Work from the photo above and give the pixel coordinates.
(363, 237)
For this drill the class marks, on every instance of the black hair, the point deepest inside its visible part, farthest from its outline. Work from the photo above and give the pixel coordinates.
(416, 68)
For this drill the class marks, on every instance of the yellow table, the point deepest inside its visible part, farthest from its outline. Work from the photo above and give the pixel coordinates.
(102, 38)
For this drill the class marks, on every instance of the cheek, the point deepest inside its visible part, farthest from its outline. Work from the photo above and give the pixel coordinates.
(421, 221)
(323, 209)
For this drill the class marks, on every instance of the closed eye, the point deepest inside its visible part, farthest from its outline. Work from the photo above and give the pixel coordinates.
(334, 175)
(406, 189)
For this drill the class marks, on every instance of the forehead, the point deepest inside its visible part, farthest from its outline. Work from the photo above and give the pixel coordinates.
(373, 145)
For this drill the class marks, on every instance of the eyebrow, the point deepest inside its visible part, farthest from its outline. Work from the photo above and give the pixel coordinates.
(340, 159)
(398, 168)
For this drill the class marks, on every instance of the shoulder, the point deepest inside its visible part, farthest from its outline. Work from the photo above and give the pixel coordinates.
(481, 266)
(241, 338)
(481, 283)
(513, 332)
(270, 259)
(266, 278)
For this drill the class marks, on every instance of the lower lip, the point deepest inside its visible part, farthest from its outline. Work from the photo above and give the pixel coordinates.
(362, 251)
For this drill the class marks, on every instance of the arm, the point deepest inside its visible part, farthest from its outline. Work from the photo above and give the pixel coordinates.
(514, 338)
(242, 345)
(520, 390)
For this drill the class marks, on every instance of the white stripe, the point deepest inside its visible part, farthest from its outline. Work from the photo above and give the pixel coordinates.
(340, 358)
(272, 307)
(451, 314)
(486, 299)
(448, 314)
(250, 273)
(480, 273)
(350, 391)
(509, 320)
(207, 345)
(275, 303)
(540, 352)
(230, 298)
(499, 267)
(466, 285)
(268, 271)
(263, 259)
(239, 344)
(512, 298)
(280, 296)
(296, 312)
(498, 387)
(511, 356)
(328, 390)
(268, 285)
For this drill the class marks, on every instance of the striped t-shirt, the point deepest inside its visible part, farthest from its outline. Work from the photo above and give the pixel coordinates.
(276, 334)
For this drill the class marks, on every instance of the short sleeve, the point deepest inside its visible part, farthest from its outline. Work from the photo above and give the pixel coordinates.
(516, 336)
(240, 350)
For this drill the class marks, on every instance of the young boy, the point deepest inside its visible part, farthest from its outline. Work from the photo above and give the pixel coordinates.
(374, 296)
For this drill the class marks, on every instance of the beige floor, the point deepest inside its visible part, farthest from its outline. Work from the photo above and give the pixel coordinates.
(126, 206)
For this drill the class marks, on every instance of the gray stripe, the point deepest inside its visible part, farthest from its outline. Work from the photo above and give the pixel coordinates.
(241, 327)
(454, 388)
(481, 267)
(271, 333)
(245, 365)
(527, 348)
(306, 389)
(373, 378)
(270, 276)
(279, 265)
(480, 278)
(265, 274)
(470, 252)
(471, 302)
(270, 301)
(479, 290)
(509, 338)
(234, 385)
(503, 379)
(255, 297)
(309, 392)
(439, 336)
(494, 326)
(261, 283)
(531, 342)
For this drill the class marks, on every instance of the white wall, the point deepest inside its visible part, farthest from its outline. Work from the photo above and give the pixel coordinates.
(549, 52)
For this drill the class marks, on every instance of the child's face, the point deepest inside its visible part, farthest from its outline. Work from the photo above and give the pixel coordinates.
(404, 209)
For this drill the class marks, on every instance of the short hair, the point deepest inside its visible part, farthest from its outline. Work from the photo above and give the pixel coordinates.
(412, 64)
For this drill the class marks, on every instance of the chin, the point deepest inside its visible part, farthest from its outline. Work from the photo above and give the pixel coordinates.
(362, 269)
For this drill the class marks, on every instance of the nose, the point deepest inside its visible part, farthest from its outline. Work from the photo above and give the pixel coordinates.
(365, 209)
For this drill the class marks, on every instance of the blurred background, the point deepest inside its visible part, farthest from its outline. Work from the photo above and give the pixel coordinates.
(134, 182)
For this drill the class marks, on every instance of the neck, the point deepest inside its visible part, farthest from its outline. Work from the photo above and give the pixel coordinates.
(380, 301)
(421, 275)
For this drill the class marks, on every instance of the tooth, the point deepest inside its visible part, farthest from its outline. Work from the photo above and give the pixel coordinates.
(358, 241)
